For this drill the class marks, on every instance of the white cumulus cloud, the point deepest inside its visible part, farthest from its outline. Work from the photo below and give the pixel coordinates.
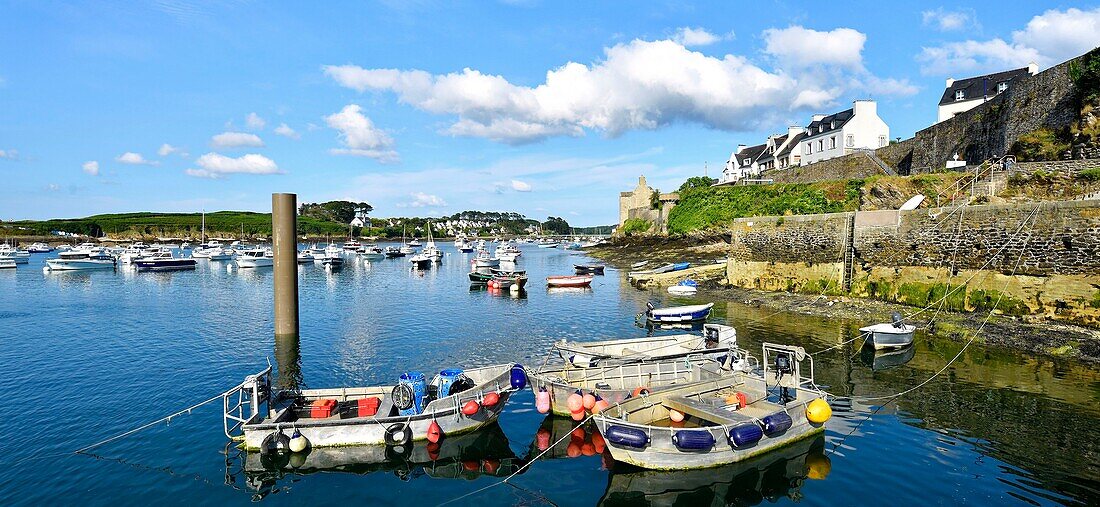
(236, 140)
(360, 137)
(132, 158)
(285, 131)
(687, 36)
(639, 85)
(215, 165)
(1048, 39)
(521, 186)
(167, 149)
(91, 167)
(946, 21)
(421, 200)
(254, 122)
(9, 154)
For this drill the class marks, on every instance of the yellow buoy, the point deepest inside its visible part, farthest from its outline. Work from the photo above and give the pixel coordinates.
(818, 466)
(818, 411)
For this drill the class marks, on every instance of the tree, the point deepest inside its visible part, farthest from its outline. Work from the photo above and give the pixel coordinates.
(335, 211)
(555, 225)
(697, 182)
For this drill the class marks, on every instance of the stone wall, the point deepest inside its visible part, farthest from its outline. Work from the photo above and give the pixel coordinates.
(1027, 259)
(1070, 167)
(853, 165)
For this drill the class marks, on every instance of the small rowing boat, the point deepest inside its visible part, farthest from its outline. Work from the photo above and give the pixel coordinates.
(716, 340)
(456, 401)
(569, 281)
(585, 269)
(677, 314)
(889, 335)
(686, 287)
(720, 421)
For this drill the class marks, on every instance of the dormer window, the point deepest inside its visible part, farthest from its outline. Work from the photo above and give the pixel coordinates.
(821, 128)
(1002, 86)
(959, 95)
(832, 124)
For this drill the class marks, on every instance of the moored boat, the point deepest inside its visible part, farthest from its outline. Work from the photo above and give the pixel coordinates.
(718, 421)
(678, 314)
(585, 269)
(255, 258)
(421, 261)
(305, 257)
(715, 341)
(507, 280)
(39, 248)
(371, 253)
(569, 281)
(81, 260)
(163, 260)
(7, 263)
(393, 252)
(456, 401)
(888, 335)
(687, 287)
(15, 254)
(484, 260)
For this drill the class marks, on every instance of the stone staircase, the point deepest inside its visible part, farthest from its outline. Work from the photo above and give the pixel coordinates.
(870, 154)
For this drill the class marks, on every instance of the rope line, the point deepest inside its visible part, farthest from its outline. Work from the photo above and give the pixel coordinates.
(187, 410)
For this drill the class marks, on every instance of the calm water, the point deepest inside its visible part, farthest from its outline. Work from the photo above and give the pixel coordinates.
(89, 355)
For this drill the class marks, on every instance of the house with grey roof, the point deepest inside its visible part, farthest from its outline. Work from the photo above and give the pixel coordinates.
(965, 94)
(838, 134)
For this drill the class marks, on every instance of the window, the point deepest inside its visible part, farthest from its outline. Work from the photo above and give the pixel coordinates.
(850, 141)
(1002, 86)
(881, 141)
(809, 148)
(959, 95)
(821, 128)
(832, 143)
(832, 124)
(820, 145)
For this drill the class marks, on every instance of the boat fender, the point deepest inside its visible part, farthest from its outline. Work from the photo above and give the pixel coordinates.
(398, 434)
(600, 405)
(490, 399)
(818, 411)
(518, 377)
(675, 415)
(577, 416)
(745, 435)
(435, 433)
(776, 423)
(470, 408)
(575, 402)
(693, 440)
(623, 436)
(589, 401)
(542, 400)
(298, 442)
(275, 443)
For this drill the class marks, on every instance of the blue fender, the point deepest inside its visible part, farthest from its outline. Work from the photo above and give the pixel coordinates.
(745, 435)
(626, 437)
(519, 377)
(776, 423)
(693, 440)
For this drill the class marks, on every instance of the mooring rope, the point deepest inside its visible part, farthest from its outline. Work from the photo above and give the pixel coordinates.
(166, 418)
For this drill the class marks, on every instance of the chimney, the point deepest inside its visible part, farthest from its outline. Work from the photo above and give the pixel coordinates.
(865, 107)
(950, 81)
(818, 117)
(1032, 68)
(740, 148)
(794, 130)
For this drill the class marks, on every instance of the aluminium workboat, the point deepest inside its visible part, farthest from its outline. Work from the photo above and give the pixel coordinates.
(716, 340)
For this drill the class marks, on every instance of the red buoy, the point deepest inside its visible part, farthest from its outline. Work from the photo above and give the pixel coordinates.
(543, 439)
(435, 433)
(589, 401)
(575, 402)
(490, 399)
(470, 408)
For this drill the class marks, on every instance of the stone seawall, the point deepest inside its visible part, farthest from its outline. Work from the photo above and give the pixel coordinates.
(1026, 259)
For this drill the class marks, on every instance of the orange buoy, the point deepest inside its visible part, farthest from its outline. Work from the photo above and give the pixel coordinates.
(575, 402)
(490, 399)
(435, 433)
(490, 466)
(600, 406)
(542, 439)
(742, 399)
(589, 401)
(675, 415)
(577, 416)
(638, 391)
(588, 449)
(573, 450)
(598, 443)
(542, 400)
(470, 408)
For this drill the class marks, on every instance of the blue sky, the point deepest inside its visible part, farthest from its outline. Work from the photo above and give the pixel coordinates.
(429, 108)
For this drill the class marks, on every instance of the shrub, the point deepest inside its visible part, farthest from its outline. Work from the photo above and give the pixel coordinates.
(1039, 145)
(1089, 174)
(634, 226)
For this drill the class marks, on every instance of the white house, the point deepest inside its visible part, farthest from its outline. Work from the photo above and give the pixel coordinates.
(779, 148)
(361, 222)
(966, 94)
(742, 164)
(841, 133)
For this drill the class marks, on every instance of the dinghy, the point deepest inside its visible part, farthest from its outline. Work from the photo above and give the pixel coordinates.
(456, 401)
(677, 314)
(889, 335)
(716, 340)
(569, 281)
(585, 269)
(639, 264)
(686, 287)
(720, 421)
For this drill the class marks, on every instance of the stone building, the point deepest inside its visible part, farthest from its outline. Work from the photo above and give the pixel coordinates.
(638, 204)
(965, 94)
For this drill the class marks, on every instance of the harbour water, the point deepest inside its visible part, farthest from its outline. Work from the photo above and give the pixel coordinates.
(89, 355)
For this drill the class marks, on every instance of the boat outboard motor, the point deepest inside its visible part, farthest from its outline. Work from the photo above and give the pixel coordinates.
(897, 320)
(783, 367)
(649, 306)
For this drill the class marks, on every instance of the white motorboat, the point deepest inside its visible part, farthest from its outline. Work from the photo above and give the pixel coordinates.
(7, 263)
(421, 261)
(484, 260)
(352, 245)
(15, 254)
(507, 252)
(414, 243)
(219, 254)
(507, 256)
(255, 258)
(163, 260)
(79, 259)
(305, 257)
(889, 335)
(39, 248)
(371, 252)
(317, 251)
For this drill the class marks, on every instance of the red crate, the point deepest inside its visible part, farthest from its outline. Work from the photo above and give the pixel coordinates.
(368, 406)
(320, 409)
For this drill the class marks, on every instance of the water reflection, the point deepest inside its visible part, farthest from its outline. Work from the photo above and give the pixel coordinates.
(288, 359)
(885, 359)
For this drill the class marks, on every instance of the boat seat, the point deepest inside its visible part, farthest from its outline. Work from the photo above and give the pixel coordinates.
(386, 408)
(705, 411)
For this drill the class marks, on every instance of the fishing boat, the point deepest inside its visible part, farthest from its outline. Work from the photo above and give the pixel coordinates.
(716, 340)
(39, 248)
(318, 251)
(569, 281)
(506, 281)
(687, 287)
(888, 335)
(421, 261)
(6, 263)
(454, 402)
(393, 251)
(547, 244)
(484, 260)
(371, 252)
(163, 260)
(255, 258)
(463, 245)
(584, 269)
(719, 421)
(677, 314)
(483, 276)
(80, 259)
(332, 261)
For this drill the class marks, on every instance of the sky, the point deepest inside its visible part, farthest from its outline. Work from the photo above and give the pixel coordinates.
(428, 108)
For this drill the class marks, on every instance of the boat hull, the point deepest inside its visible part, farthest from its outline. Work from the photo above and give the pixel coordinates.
(78, 264)
(254, 263)
(165, 265)
(569, 281)
(886, 336)
(680, 314)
